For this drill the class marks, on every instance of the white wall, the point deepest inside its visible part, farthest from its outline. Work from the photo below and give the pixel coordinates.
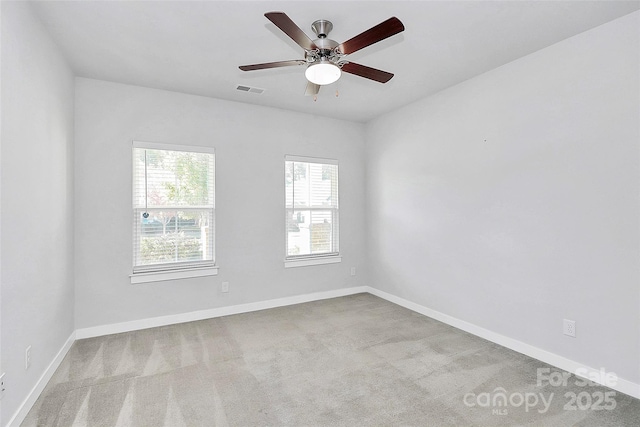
(37, 201)
(511, 200)
(1, 370)
(250, 144)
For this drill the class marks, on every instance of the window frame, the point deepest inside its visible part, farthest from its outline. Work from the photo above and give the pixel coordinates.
(313, 259)
(178, 270)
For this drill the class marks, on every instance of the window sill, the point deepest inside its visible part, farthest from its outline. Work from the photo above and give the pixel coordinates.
(158, 276)
(312, 261)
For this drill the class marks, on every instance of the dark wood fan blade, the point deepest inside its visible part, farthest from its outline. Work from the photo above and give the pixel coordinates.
(282, 21)
(367, 72)
(373, 35)
(312, 89)
(272, 65)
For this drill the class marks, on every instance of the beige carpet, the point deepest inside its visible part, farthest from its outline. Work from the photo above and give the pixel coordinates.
(351, 361)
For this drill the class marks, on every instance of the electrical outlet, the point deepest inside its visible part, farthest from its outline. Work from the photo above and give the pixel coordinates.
(27, 358)
(569, 327)
(2, 386)
(353, 271)
(225, 287)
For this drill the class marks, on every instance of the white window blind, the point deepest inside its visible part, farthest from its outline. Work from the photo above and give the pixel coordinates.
(173, 207)
(311, 197)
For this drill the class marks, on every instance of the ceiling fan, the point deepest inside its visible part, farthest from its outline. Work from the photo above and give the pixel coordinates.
(325, 58)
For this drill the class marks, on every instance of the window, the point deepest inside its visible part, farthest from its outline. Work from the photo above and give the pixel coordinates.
(311, 197)
(173, 212)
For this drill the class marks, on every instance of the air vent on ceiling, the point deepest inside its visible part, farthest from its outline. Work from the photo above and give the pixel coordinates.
(249, 89)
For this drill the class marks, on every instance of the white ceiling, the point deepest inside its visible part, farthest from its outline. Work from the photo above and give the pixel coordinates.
(196, 47)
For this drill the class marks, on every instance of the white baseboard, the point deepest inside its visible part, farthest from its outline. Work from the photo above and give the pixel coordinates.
(27, 404)
(153, 322)
(622, 385)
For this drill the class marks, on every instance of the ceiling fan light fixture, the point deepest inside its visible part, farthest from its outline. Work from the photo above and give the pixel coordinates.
(323, 73)
(324, 57)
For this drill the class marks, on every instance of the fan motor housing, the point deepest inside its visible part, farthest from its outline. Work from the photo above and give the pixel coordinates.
(325, 44)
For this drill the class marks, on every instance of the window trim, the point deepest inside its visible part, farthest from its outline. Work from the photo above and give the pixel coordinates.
(311, 259)
(184, 273)
(173, 271)
(173, 147)
(317, 260)
(304, 159)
